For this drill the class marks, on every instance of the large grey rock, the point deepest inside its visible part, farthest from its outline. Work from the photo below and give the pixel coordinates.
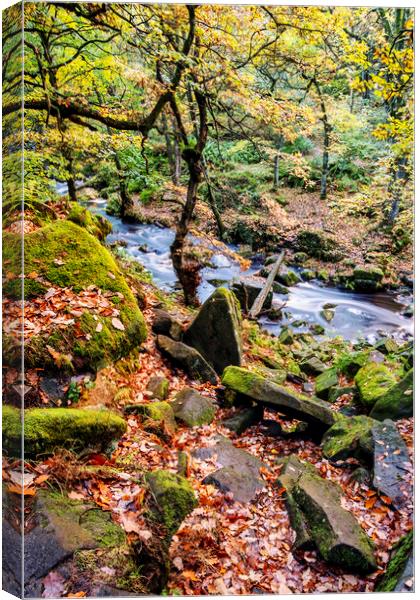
(239, 473)
(192, 408)
(216, 330)
(391, 464)
(188, 359)
(335, 531)
(313, 411)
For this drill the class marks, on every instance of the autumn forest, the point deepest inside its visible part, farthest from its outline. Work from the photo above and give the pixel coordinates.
(207, 299)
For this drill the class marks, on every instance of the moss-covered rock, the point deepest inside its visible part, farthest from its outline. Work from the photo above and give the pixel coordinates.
(159, 387)
(46, 429)
(62, 254)
(372, 381)
(318, 245)
(313, 411)
(324, 382)
(351, 437)
(160, 413)
(287, 278)
(97, 225)
(188, 359)
(397, 402)
(216, 330)
(174, 498)
(192, 408)
(400, 569)
(367, 279)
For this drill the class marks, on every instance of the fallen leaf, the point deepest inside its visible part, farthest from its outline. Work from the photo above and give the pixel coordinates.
(117, 324)
(53, 585)
(99, 327)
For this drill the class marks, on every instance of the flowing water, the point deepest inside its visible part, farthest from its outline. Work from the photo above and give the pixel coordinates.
(356, 315)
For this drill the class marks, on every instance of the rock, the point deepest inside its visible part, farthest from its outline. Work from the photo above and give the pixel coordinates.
(310, 410)
(318, 245)
(96, 225)
(335, 392)
(399, 574)
(337, 534)
(286, 336)
(166, 324)
(275, 314)
(242, 419)
(47, 429)
(368, 279)
(386, 345)
(270, 260)
(160, 412)
(280, 289)
(216, 330)
(287, 278)
(390, 463)
(350, 364)
(316, 514)
(192, 408)
(247, 293)
(188, 359)
(317, 329)
(312, 366)
(325, 381)
(58, 528)
(372, 381)
(300, 257)
(173, 497)
(159, 387)
(240, 472)
(273, 428)
(328, 314)
(361, 475)
(351, 437)
(376, 357)
(307, 275)
(397, 402)
(323, 275)
(308, 388)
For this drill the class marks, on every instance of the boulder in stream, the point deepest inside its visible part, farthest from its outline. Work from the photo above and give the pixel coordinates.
(216, 330)
(321, 519)
(188, 359)
(313, 411)
(367, 279)
(247, 292)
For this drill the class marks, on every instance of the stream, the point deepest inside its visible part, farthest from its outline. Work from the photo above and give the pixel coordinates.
(357, 315)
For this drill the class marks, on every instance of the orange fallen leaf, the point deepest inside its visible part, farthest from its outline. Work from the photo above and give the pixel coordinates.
(41, 478)
(77, 595)
(371, 502)
(17, 489)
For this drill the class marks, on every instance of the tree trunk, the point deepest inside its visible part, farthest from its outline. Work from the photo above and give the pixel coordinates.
(71, 185)
(276, 171)
(188, 270)
(399, 176)
(325, 153)
(177, 159)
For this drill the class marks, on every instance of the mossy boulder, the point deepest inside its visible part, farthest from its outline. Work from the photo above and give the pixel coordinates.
(335, 531)
(351, 437)
(287, 278)
(158, 386)
(216, 330)
(324, 382)
(308, 274)
(160, 414)
(286, 336)
(312, 366)
(174, 499)
(397, 402)
(317, 244)
(192, 408)
(313, 411)
(63, 254)
(372, 381)
(97, 225)
(46, 429)
(367, 279)
(399, 573)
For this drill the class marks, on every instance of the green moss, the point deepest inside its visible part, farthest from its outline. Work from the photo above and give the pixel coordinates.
(94, 224)
(79, 524)
(65, 255)
(395, 569)
(49, 428)
(349, 437)
(239, 379)
(174, 497)
(397, 402)
(160, 412)
(372, 381)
